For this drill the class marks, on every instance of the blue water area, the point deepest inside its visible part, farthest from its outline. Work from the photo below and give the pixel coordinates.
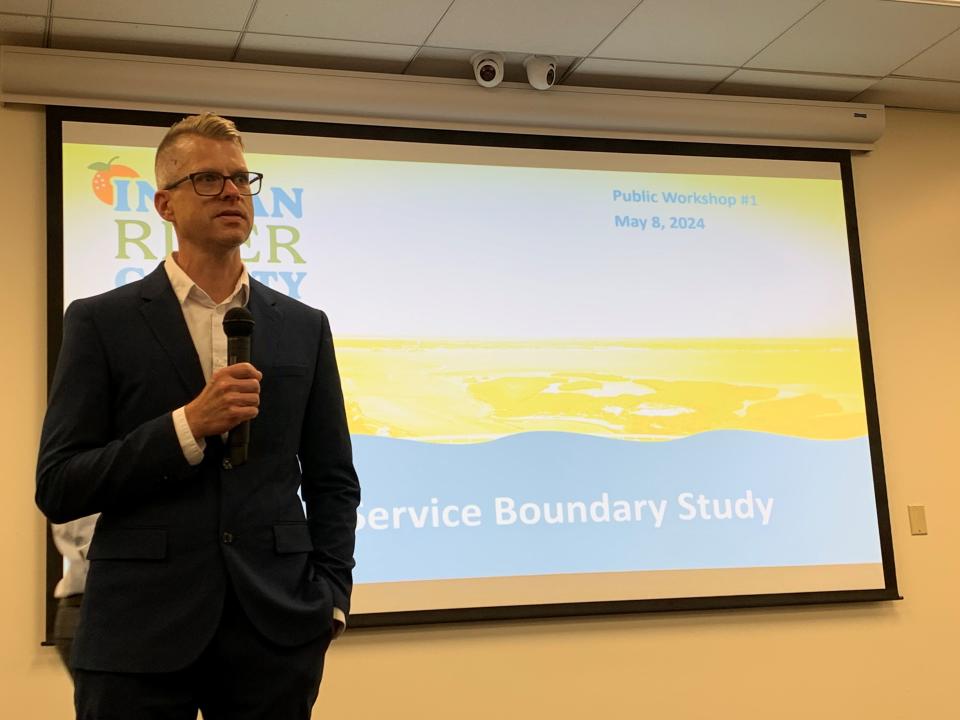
(547, 503)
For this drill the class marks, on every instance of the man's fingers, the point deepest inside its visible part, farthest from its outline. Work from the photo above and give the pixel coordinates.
(239, 371)
(226, 382)
(251, 387)
(242, 413)
(243, 399)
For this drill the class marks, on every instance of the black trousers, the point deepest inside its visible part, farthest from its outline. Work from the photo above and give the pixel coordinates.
(240, 676)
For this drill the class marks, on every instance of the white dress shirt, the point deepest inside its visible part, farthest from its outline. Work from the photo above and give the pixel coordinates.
(73, 540)
(204, 320)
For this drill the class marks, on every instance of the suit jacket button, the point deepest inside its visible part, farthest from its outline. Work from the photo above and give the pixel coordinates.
(227, 465)
(227, 538)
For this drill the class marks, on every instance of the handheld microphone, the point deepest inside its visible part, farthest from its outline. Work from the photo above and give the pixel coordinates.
(238, 327)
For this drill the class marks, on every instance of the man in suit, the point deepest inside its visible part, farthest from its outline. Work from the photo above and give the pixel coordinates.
(209, 587)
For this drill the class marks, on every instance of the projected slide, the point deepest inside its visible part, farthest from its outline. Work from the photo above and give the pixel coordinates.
(569, 376)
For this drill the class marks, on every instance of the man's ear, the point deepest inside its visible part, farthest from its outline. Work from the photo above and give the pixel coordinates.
(161, 201)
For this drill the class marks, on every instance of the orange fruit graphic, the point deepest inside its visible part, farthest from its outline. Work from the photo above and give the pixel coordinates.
(102, 185)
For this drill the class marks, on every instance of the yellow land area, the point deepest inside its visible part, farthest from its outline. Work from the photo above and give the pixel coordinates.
(463, 391)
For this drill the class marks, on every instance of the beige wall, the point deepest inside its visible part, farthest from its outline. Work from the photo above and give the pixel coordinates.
(883, 661)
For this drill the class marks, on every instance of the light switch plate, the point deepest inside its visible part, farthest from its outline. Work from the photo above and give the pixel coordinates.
(918, 519)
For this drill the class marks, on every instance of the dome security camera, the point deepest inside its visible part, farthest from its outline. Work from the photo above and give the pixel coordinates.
(488, 68)
(541, 71)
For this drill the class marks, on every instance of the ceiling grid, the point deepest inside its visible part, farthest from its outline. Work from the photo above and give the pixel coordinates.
(878, 51)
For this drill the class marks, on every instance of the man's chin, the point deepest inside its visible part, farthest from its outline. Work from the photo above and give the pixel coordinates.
(234, 239)
(223, 241)
(227, 243)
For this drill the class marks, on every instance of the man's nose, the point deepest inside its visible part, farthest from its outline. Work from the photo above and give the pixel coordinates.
(229, 188)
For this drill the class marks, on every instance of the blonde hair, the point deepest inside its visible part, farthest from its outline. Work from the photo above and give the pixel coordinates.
(208, 125)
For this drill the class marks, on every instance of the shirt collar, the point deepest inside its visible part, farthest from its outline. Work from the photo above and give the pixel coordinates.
(184, 287)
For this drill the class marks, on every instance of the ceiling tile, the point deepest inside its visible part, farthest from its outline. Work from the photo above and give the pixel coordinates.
(320, 53)
(858, 37)
(634, 75)
(406, 23)
(213, 14)
(909, 93)
(142, 39)
(701, 31)
(24, 7)
(455, 63)
(801, 86)
(550, 27)
(22, 30)
(941, 62)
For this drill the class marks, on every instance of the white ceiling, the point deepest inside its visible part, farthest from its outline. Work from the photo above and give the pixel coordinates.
(877, 51)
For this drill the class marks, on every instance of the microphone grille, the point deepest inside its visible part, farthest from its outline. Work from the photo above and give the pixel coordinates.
(238, 322)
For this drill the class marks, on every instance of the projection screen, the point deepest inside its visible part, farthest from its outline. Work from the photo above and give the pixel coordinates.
(581, 375)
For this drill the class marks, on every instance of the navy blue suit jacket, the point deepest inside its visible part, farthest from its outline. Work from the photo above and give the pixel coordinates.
(171, 536)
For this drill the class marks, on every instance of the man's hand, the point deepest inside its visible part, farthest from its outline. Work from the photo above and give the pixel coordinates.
(231, 396)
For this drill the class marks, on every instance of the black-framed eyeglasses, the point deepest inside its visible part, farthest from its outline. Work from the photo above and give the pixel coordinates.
(211, 183)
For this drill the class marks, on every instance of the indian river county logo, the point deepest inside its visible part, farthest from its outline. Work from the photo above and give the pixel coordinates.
(102, 183)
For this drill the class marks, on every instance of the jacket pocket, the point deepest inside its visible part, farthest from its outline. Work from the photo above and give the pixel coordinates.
(292, 538)
(285, 370)
(128, 544)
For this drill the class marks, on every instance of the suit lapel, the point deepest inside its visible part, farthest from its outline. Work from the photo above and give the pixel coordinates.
(267, 328)
(163, 314)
